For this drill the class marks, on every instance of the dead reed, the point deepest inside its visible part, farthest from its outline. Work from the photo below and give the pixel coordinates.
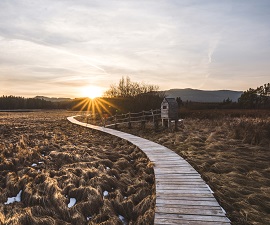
(67, 174)
(231, 153)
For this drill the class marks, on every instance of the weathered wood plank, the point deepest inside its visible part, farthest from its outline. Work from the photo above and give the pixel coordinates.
(184, 191)
(191, 223)
(180, 194)
(173, 203)
(190, 211)
(180, 182)
(182, 197)
(163, 217)
(180, 187)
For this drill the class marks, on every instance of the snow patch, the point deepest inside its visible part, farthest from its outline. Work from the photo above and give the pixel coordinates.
(123, 220)
(72, 202)
(14, 199)
(105, 193)
(108, 168)
(34, 164)
(88, 218)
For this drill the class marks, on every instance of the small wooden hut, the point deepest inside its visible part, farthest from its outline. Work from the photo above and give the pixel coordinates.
(169, 110)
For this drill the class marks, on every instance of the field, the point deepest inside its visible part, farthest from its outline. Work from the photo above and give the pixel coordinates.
(231, 152)
(54, 172)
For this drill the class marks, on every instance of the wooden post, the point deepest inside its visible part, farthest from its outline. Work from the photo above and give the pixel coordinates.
(156, 125)
(143, 121)
(129, 121)
(153, 115)
(115, 122)
(176, 125)
(155, 122)
(104, 121)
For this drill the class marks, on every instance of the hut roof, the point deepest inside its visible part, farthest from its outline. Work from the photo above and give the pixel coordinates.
(171, 101)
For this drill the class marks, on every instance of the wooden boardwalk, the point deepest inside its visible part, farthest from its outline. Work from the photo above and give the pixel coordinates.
(182, 197)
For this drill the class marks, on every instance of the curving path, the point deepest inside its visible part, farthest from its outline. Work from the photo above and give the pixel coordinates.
(182, 197)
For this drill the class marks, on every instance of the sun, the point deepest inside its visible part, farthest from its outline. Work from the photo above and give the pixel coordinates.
(91, 92)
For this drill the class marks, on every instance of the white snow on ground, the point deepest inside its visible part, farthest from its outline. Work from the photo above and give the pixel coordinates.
(72, 202)
(123, 220)
(34, 164)
(105, 193)
(14, 199)
(108, 168)
(89, 218)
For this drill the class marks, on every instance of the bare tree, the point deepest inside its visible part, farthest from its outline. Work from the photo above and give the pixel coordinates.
(127, 88)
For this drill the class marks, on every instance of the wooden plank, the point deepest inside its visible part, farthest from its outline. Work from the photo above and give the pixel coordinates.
(184, 191)
(179, 195)
(190, 211)
(191, 223)
(185, 176)
(175, 177)
(179, 187)
(174, 202)
(175, 170)
(163, 217)
(180, 182)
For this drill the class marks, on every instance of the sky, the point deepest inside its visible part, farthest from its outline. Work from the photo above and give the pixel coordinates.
(59, 48)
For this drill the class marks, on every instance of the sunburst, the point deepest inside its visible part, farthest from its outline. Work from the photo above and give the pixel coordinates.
(97, 107)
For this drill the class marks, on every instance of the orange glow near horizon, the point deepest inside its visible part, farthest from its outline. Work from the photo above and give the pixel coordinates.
(91, 92)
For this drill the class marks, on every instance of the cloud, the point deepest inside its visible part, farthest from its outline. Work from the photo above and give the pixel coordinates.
(174, 44)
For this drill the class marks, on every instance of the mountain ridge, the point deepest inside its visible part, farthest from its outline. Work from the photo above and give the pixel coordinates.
(196, 95)
(52, 99)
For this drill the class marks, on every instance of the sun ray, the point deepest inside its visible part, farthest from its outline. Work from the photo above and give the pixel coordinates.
(104, 108)
(81, 102)
(89, 106)
(109, 103)
(97, 108)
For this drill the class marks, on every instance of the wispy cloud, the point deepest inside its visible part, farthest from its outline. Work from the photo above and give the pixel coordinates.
(46, 44)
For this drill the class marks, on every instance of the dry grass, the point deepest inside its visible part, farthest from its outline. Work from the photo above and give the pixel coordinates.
(233, 157)
(52, 160)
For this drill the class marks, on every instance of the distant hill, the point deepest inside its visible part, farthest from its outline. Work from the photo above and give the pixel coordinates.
(203, 96)
(53, 99)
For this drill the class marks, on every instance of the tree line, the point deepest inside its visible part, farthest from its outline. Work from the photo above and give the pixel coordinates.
(129, 96)
(258, 98)
(13, 102)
